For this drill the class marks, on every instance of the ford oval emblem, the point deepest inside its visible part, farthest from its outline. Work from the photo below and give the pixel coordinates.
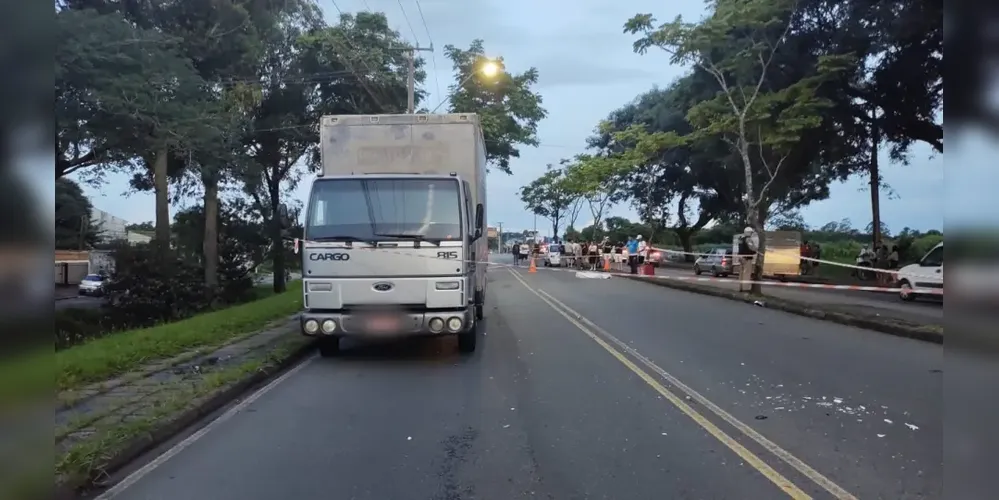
(382, 287)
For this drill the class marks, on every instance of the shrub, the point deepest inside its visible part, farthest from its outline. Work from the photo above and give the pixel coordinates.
(151, 285)
(76, 326)
(235, 274)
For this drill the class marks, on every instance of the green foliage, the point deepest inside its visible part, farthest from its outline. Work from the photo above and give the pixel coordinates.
(738, 45)
(550, 196)
(106, 357)
(73, 227)
(238, 230)
(506, 104)
(151, 286)
(121, 91)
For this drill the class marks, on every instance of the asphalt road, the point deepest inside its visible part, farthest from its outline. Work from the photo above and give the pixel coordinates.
(924, 310)
(586, 389)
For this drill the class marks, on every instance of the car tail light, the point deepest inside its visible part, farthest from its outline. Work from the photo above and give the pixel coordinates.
(724, 262)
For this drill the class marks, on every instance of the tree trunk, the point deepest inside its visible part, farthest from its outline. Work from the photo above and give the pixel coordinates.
(875, 175)
(685, 237)
(210, 247)
(277, 243)
(161, 184)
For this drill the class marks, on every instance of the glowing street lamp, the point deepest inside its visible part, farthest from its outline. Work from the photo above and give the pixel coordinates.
(487, 67)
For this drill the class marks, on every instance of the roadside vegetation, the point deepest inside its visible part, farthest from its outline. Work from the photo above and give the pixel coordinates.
(228, 129)
(774, 109)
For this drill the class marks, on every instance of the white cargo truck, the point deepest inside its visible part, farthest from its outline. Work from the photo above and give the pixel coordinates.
(394, 233)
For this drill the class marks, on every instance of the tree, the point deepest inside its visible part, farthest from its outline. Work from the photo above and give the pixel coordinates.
(309, 72)
(73, 212)
(149, 102)
(737, 45)
(598, 179)
(788, 221)
(141, 226)
(245, 236)
(121, 92)
(508, 108)
(549, 196)
(894, 95)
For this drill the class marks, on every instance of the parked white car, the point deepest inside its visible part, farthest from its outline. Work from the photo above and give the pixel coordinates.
(923, 277)
(92, 284)
(552, 255)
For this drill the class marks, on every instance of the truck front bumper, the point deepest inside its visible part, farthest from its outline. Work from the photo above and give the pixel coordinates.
(409, 323)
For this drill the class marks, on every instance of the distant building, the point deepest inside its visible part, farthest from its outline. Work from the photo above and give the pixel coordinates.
(111, 228)
(72, 265)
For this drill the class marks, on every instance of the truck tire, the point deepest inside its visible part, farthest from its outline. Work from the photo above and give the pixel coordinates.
(467, 340)
(329, 347)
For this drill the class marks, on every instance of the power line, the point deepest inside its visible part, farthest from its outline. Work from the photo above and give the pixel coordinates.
(362, 61)
(433, 53)
(406, 17)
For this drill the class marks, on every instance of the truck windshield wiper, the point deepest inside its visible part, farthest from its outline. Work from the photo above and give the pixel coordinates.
(415, 237)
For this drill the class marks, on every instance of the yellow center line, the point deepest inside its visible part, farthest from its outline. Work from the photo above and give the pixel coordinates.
(792, 490)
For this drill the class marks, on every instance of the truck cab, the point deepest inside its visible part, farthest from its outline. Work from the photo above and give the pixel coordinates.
(390, 255)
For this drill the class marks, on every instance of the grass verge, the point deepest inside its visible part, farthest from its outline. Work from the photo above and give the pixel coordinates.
(114, 355)
(111, 446)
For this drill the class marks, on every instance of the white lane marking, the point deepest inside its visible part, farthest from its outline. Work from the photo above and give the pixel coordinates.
(136, 476)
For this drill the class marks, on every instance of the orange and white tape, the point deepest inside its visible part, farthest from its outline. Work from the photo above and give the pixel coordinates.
(927, 291)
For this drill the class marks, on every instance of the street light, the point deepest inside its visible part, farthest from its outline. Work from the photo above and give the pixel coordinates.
(489, 69)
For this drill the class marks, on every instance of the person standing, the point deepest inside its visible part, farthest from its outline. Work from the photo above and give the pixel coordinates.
(525, 251)
(633, 255)
(594, 255)
(516, 255)
(643, 250)
(749, 244)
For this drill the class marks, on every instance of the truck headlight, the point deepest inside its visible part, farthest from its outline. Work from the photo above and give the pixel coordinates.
(447, 285)
(436, 325)
(311, 326)
(329, 326)
(454, 324)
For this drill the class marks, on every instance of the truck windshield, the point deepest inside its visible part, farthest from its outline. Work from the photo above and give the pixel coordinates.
(369, 209)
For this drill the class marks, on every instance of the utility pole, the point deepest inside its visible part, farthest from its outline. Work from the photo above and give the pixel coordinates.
(411, 82)
(499, 238)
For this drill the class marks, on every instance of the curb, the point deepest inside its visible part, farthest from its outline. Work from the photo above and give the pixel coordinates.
(181, 422)
(925, 333)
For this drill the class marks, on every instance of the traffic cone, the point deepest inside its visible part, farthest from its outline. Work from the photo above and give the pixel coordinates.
(533, 268)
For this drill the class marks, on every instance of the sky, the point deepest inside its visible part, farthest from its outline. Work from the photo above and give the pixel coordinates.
(587, 70)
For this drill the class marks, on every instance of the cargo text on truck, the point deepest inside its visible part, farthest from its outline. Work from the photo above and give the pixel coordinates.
(394, 228)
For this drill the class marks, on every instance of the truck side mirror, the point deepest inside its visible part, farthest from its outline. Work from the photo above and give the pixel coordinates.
(479, 219)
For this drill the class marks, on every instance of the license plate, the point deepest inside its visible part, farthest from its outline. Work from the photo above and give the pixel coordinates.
(382, 324)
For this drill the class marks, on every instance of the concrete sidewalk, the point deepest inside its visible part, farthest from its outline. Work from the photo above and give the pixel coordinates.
(925, 311)
(876, 311)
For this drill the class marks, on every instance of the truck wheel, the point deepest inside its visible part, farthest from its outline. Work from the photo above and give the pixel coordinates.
(329, 347)
(467, 340)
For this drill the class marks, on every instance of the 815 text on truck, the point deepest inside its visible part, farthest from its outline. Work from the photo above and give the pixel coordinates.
(394, 230)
